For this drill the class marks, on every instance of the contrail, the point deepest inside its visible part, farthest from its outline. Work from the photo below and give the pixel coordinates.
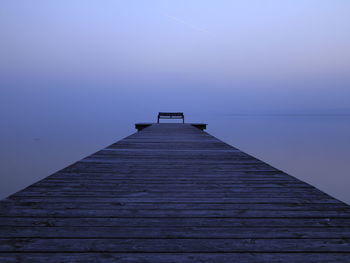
(194, 27)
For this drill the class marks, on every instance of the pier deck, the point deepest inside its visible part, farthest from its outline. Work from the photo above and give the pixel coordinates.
(173, 193)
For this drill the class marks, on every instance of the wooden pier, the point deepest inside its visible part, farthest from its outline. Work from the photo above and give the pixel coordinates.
(173, 193)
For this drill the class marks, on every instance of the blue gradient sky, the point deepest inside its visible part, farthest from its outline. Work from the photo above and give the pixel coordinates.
(235, 56)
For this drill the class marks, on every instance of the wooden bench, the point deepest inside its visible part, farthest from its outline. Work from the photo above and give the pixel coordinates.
(171, 115)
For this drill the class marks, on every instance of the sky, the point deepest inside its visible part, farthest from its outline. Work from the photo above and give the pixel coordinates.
(255, 56)
(75, 75)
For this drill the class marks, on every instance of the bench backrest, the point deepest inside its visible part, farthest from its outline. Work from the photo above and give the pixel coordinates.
(171, 115)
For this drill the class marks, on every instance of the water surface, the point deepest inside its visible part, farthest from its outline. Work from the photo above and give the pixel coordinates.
(315, 149)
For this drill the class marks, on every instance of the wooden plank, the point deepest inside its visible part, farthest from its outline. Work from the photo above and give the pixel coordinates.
(161, 206)
(242, 213)
(173, 232)
(175, 257)
(143, 199)
(168, 187)
(175, 222)
(186, 245)
(158, 187)
(207, 190)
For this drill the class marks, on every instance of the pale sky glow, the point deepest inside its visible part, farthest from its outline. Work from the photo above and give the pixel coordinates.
(223, 39)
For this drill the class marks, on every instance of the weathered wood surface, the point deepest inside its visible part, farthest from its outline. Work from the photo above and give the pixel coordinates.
(173, 193)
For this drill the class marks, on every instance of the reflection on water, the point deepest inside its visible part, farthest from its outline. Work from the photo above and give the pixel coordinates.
(315, 149)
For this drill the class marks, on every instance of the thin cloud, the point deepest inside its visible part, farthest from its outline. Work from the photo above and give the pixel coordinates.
(183, 22)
